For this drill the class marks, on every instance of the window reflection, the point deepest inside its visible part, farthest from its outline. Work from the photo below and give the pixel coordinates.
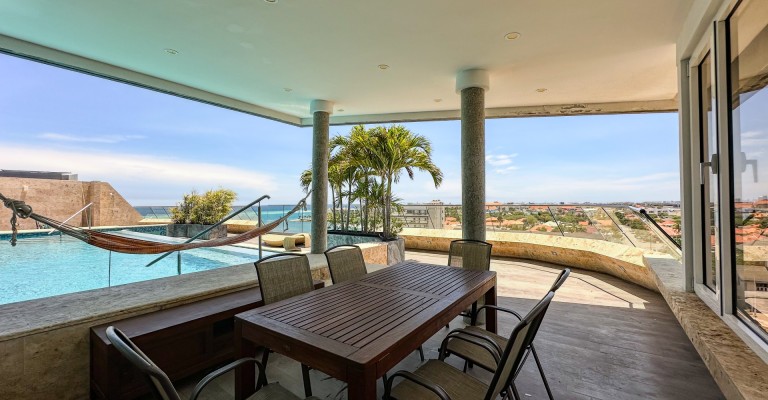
(749, 76)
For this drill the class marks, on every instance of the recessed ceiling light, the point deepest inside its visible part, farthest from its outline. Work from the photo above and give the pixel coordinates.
(287, 89)
(172, 51)
(512, 35)
(438, 100)
(541, 90)
(383, 66)
(271, 1)
(341, 110)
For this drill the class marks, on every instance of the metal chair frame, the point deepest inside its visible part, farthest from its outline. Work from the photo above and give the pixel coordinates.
(487, 267)
(265, 356)
(510, 363)
(460, 334)
(161, 385)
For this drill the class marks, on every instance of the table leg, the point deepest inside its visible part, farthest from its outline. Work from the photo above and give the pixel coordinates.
(245, 375)
(362, 384)
(490, 313)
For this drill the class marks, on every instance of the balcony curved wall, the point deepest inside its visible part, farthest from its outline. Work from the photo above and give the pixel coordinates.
(624, 262)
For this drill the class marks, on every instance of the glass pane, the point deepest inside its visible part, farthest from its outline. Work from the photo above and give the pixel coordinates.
(749, 76)
(709, 188)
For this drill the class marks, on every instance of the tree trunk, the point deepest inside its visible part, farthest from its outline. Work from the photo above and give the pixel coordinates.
(388, 208)
(333, 203)
(349, 202)
(362, 220)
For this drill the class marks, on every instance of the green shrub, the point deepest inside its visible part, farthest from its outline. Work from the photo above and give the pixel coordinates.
(205, 209)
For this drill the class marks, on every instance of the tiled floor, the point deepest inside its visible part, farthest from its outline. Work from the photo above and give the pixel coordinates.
(602, 338)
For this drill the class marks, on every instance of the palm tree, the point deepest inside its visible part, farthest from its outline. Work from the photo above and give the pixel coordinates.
(335, 180)
(365, 165)
(391, 151)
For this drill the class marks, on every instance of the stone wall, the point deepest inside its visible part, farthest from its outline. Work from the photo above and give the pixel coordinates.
(60, 199)
(621, 261)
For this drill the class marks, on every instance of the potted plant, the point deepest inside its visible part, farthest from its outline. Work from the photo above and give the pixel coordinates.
(198, 212)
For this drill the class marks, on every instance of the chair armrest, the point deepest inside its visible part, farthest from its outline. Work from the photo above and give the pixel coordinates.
(483, 342)
(436, 389)
(221, 371)
(497, 308)
(484, 338)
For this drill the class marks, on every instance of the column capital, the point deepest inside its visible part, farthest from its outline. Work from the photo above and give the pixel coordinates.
(472, 78)
(321, 105)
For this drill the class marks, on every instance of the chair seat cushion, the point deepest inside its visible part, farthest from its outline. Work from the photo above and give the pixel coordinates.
(457, 384)
(274, 391)
(474, 353)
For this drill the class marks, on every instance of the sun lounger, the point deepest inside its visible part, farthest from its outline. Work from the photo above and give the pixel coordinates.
(287, 242)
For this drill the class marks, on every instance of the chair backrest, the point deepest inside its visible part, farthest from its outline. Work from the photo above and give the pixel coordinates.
(283, 276)
(159, 382)
(345, 263)
(560, 279)
(521, 338)
(470, 254)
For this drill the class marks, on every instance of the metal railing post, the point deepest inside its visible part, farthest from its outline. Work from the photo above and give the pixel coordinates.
(214, 226)
(593, 224)
(258, 223)
(618, 225)
(73, 216)
(556, 221)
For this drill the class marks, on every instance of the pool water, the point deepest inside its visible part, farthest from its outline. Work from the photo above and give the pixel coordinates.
(50, 265)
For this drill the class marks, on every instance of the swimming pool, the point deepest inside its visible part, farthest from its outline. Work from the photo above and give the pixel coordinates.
(44, 265)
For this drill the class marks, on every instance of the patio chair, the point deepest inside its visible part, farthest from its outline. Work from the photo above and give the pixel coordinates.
(346, 262)
(282, 276)
(470, 254)
(163, 388)
(473, 353)
(439, 379)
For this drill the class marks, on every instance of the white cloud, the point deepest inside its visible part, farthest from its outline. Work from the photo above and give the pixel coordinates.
(506, 170)
(502, 163)
(89, 139)
(148, 178)
(499, 160)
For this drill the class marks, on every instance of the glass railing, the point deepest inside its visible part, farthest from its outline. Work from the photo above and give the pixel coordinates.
(654, 230)
(620, 224)
(298, 222)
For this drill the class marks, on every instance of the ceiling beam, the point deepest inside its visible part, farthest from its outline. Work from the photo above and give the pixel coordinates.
(629, 107)
(47, 55)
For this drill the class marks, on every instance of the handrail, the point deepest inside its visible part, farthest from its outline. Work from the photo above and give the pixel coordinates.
(225, 219)
(74, 215)
(645, 214)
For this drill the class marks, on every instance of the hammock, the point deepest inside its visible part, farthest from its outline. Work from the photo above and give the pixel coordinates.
(127, 245)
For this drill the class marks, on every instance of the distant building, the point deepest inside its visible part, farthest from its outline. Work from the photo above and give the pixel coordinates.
(430, 215)
(60, 176)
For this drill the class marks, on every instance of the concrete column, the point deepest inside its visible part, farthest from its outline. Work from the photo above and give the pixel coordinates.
(321, 111)
(472, 85)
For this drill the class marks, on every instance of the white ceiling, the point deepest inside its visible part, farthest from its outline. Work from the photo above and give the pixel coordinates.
(589, 51)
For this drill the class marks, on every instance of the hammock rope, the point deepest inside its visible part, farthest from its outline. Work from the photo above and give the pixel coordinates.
(122, 244)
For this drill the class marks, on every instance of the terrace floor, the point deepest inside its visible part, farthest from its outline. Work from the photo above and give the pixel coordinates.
(602, 338)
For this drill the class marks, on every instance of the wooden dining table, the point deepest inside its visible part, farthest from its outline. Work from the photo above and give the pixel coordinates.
(358, 330)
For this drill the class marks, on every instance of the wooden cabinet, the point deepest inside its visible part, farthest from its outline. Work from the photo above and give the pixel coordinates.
(182, 341)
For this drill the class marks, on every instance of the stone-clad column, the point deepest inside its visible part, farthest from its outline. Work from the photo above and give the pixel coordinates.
(472, 85)
(321, 111)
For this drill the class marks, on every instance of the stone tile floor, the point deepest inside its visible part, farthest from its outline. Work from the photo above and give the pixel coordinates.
(603, 338)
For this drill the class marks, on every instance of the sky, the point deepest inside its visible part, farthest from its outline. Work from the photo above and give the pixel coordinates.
(153, 147)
